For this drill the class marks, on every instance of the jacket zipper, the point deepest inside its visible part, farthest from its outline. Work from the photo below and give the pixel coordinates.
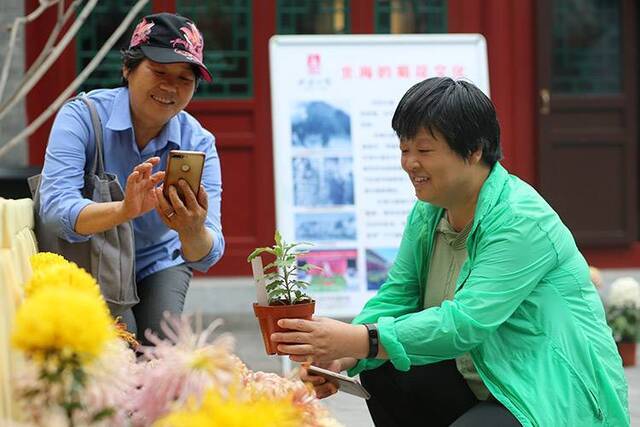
(505, 394)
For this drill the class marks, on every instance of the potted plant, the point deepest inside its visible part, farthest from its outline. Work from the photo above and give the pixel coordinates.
(623, 316)
(285, 291)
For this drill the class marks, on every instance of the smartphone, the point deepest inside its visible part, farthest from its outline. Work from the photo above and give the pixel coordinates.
(345, 383)
(185, 165)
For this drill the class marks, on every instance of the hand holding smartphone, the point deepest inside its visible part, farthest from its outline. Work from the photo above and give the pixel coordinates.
(187, 165)
(345, 383)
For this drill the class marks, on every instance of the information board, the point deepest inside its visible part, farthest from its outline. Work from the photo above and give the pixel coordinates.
(338, 180)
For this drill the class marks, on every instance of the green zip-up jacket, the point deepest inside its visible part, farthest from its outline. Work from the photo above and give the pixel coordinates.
(525, 309)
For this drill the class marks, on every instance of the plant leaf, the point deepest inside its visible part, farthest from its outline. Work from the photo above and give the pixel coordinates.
(105, 413)
(258, 251)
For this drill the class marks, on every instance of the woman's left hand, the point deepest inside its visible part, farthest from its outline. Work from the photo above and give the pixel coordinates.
(187, 218)
(321, 339)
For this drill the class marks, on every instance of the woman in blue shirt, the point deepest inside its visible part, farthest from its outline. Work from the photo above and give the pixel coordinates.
(141, 122)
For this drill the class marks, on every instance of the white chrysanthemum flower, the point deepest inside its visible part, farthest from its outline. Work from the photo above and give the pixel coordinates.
(625, 291)
(111, 379)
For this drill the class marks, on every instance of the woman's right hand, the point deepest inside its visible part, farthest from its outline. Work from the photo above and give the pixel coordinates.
(140, 197)
(323, 387)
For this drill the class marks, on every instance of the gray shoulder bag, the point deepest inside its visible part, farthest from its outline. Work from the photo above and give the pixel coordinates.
(109, 256)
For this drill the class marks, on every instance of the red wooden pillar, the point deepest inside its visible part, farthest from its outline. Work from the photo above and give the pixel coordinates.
(264, 215)
(163, 6)
(509, 29)
(362, 17)
(59, 76)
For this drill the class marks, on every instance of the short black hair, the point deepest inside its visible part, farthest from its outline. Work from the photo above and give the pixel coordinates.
(133, 57)
(458, 110)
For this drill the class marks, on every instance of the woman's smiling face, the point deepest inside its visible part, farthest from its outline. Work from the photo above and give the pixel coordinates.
(159, 91)
(438, 174)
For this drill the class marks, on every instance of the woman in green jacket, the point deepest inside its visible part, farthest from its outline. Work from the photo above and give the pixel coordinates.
(488, 315)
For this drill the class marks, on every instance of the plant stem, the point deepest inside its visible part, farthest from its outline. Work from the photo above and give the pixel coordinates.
(70, 417)
(286, 284)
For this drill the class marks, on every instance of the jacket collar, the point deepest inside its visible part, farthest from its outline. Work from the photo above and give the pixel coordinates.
(487, 199)
(489, 193)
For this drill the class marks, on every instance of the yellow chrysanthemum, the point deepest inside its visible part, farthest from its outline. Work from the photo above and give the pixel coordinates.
(63, 320)
(59, 274)
(46, 259)
(219, 411)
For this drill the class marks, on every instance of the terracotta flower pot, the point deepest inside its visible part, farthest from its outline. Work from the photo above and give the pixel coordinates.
(627, 351)
(268, 316)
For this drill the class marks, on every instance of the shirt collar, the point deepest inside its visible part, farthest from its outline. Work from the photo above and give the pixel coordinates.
(456, 239)
(170, 133)
(120, 119)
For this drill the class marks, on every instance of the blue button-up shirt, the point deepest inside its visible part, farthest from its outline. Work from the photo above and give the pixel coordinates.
(71, 144)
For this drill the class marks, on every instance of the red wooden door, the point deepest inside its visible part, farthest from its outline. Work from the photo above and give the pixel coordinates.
(587, 113)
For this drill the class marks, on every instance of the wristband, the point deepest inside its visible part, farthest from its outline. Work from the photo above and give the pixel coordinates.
(372, 333)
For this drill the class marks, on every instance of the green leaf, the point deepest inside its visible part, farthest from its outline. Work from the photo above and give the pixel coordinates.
(273, 285)
(270, 265)
(30, 393)
(308, 267)
(302, 284)
(300, 295)
(259, 251)
(105, 413)
(624, 322)
(281, 263)
(315, 267)
(71, 406)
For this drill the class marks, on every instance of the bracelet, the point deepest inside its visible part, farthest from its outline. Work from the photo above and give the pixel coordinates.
(372, 332)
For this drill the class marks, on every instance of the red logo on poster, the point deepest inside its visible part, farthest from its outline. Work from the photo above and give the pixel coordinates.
(313, 63)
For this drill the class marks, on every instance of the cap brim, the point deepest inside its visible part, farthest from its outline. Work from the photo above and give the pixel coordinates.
(165, 55)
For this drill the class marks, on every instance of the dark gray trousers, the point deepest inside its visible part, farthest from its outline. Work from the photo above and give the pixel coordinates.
(434, 395)
(164, 290)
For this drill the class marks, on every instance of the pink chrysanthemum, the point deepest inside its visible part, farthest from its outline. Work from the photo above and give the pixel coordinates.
(181, 367)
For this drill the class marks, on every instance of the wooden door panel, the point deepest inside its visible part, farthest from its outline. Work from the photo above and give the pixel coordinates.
(587, 115)
(601, 114)
(586, 190)
(234, 125)
(239, 208)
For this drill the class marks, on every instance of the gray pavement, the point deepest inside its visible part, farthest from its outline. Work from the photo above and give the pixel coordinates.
(231, 299)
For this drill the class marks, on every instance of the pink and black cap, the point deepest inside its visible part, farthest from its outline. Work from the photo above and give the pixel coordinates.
(168, 38)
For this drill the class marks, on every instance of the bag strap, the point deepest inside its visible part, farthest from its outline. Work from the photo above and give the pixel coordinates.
(97, 165)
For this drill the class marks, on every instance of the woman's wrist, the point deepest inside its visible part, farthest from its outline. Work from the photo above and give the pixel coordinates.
(121, 212)
(347, 363)
(360, 342)
(196, 245)
(98, 217)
